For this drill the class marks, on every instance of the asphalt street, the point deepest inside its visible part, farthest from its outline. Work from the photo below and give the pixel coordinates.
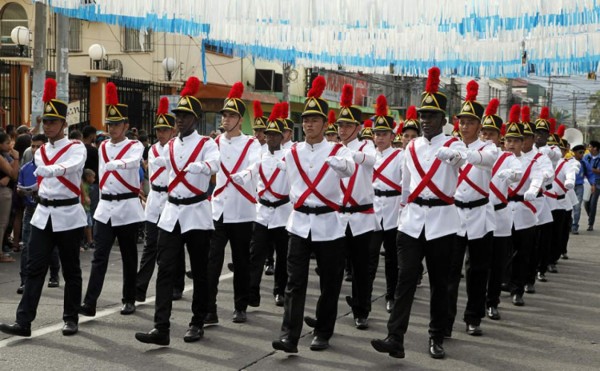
(557, 329)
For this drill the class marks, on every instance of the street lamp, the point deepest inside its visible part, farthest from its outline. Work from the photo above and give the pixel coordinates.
(169, 64)
(21, 37)
(97, 54)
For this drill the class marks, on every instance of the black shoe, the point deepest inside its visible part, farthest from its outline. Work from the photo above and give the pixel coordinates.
(389, 305)
(541, 277)
(254, 302)
(285, 345)
(505, 287)
(279, 300)
(319, 343)
(390, 346)
(269, 270)
(492, 313)
(15, 329)
(310, 321)
(230, 267)
(436, 350)
(194, 333)
(565, 257)
(87, 310)
(127, 308)
(349, 301)
(189, 275)
(474, 330)
(177, 295)
(590, 228)
(517, 300)
(70, 328)
(530, 288)
(21, 289)
(361, 323)
(552, 268)
(53, 283)
(239, 316)
(153, 337)
(140, 298)
(211, 319)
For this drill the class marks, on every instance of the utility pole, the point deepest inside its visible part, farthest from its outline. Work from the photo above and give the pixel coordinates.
(62, 57)
(574, 110)
(550, 93)
(39, 63)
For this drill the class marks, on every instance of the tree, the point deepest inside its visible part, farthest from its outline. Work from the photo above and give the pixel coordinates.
(594, 117)
(561, 116)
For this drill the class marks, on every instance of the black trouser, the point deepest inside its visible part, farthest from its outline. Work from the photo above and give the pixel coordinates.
(104, 235)
(357, 250)
(263, 241)
(330, 260)
(559, 231)
(41, 246)
(170, 248)
(566, 233)
(148, 262)
(477, 267)
(501, 248)
(522, 246)
(542, 251)
(238, 235)
(437, 254)
(388, 238)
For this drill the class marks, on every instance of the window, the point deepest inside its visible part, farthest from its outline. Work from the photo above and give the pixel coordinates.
(74, 35)
(137, 40)
(11, 16)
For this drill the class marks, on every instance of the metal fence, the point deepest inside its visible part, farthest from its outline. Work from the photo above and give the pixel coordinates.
(10, 93)
(79, 96)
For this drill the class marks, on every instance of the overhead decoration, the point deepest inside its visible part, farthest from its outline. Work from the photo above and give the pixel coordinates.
(468, 38)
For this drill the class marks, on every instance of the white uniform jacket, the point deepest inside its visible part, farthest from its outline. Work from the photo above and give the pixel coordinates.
(557, 197)
(387, 184)
(499, 192)
(525, 212)
(159, 179)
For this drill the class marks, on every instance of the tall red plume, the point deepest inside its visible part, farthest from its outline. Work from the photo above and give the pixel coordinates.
(49, 90)
(318, 86)
(552, 125)
(400, 127)
(191, 86)
(368, 124)
(472, 90)
(236, 90)
(411, 113)
(433, 80)
(331, 117)
(111, 94)
(525, 114)
(258, 111)
(561, 131)
(382, 107)
(285, 110)
(456, 123)
(394, 124)
(347, 94)
(276, 112)
(503, 130)
(492, 107)
(163, 106)
(515, 111)
(544, 114)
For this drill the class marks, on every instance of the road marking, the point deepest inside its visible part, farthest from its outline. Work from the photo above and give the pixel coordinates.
(103, 313)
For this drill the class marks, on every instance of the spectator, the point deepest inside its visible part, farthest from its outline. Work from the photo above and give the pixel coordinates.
(585, 171)
(88, 181)
(593, 159)
(75, 135)
(9, 170)
(90, 139)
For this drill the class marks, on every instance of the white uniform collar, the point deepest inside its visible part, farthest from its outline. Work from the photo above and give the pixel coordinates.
(59, 143)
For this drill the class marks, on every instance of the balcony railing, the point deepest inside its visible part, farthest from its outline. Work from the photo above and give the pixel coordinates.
(10, 50)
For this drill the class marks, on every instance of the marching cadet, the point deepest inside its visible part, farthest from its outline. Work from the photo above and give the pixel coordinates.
(164, 127)
(387, 180)
(357, 203)
(506, 170)
(119, 211)
(58, 220)
(428, 223)
(190, 160)
(314, 168)
(476, 215)
(288, 129)
(397, 142)
(331, 133)
(234, 207)
(272, 210)
(259, 124)
(520, 197)
(367, 132)
(411, 128)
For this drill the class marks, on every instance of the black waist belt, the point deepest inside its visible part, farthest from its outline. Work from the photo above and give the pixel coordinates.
(516, 198)
(188, 200)
(268, 203)
(356, 209)
(389, 193)
(156, 188)
(559, 197)
(472, 204)
(58, 203)
(548, 187)
(118, 197)
(431, 202)
(315, 210)
(499, 207)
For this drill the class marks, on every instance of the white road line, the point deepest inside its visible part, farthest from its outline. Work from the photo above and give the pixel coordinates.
(103, 313)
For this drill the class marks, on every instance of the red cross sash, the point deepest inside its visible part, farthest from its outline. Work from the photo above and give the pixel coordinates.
(114, 172)
(464, 176)
(158, 171)
(269, 182)
(347, 191)
(180, 173)
(513, 192)
(235, 169)
(493, 187)
(378, 172)
(557, 181)
(51, 161)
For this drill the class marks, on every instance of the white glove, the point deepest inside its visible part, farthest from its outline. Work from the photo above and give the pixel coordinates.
(49, 171)
(570, 183)
(114, 165)
(197, 168)
(506, 174)
(577, 166)
(548, 176)
(159, 161)
(281, 165)
(446, 154)
(336, 163)
(474, 157)
(531, 194)
(358, 157)
(545, 150)
(238, 178)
